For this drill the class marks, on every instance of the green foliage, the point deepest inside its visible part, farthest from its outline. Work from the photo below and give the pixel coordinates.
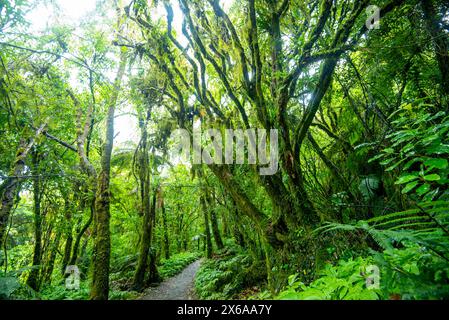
(176, 263)
(413, 272)
(13, 288)
(60, 292)
(227, 274)
(419, 147)
(345, 281)
(329, 89)
(368, 185)
(8, 286)
(414, 259)
(426, 225)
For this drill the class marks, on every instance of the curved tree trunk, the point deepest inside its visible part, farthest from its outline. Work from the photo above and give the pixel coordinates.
(10, 188)
(74, 257)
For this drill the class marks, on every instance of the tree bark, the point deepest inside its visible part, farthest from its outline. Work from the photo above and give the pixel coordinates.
(69, 240)
(208, 243)
(11, 186)
(33, 279)
(82, 134)
(166, 240)
(153, 273)
(214, 223)
(102, 237)
(50, 264)
(74, 256)
(145, 243)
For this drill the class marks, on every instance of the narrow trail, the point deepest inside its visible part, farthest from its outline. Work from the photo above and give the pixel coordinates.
(179, 287)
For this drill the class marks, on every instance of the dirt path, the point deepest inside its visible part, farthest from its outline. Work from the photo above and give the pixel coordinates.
(179, 287)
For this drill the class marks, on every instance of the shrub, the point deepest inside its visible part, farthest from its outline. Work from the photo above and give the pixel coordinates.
(346, 281)
(227, 274)
(176, 263)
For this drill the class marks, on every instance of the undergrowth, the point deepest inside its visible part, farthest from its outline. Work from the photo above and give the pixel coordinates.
(229, 272)
(12, 284)
(177, 263)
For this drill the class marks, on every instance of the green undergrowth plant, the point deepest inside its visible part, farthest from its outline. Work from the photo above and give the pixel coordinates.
(60, 292)
(409, 273)
(412, 244)
(413, 272)
(418, 151)
(12, 288)
(176, 263)
(345, 281)
(229, 272)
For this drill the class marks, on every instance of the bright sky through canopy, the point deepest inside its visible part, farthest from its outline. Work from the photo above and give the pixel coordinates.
(72, 12)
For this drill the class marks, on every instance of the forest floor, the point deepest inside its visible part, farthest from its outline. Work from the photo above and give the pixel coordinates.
(179, 287)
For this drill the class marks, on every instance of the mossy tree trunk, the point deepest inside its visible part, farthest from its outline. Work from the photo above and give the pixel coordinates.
(33, 279)
(88, 191)
(208, 243)
(166, 240)
(79, 235)
(68, 232)
(102, 236)
(144, 182)
(50, 263)
(10, 188)
(153, 273)
(214, 223)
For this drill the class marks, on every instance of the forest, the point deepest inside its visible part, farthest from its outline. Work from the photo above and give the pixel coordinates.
(224, 150)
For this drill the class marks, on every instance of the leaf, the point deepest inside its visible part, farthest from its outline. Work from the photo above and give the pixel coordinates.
(395, 165)
(7, 286)
(429, 139)
(410, 186)
(289, 295)
(375, 158)
(407, 148)
(439, 149)
(406, 178)
(409, 163)
(432, 177)
(386, 161)
(423, 189)
(365, 145)
(292, 279)
(436, 163)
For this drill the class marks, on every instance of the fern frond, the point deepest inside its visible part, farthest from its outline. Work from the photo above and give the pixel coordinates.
(413, 225)
(393, 215)
(416, 224)
(403, 222)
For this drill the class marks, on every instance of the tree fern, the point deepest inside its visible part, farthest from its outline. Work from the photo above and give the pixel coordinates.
(425, 225)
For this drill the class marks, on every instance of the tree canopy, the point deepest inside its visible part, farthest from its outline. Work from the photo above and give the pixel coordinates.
(350, 97)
